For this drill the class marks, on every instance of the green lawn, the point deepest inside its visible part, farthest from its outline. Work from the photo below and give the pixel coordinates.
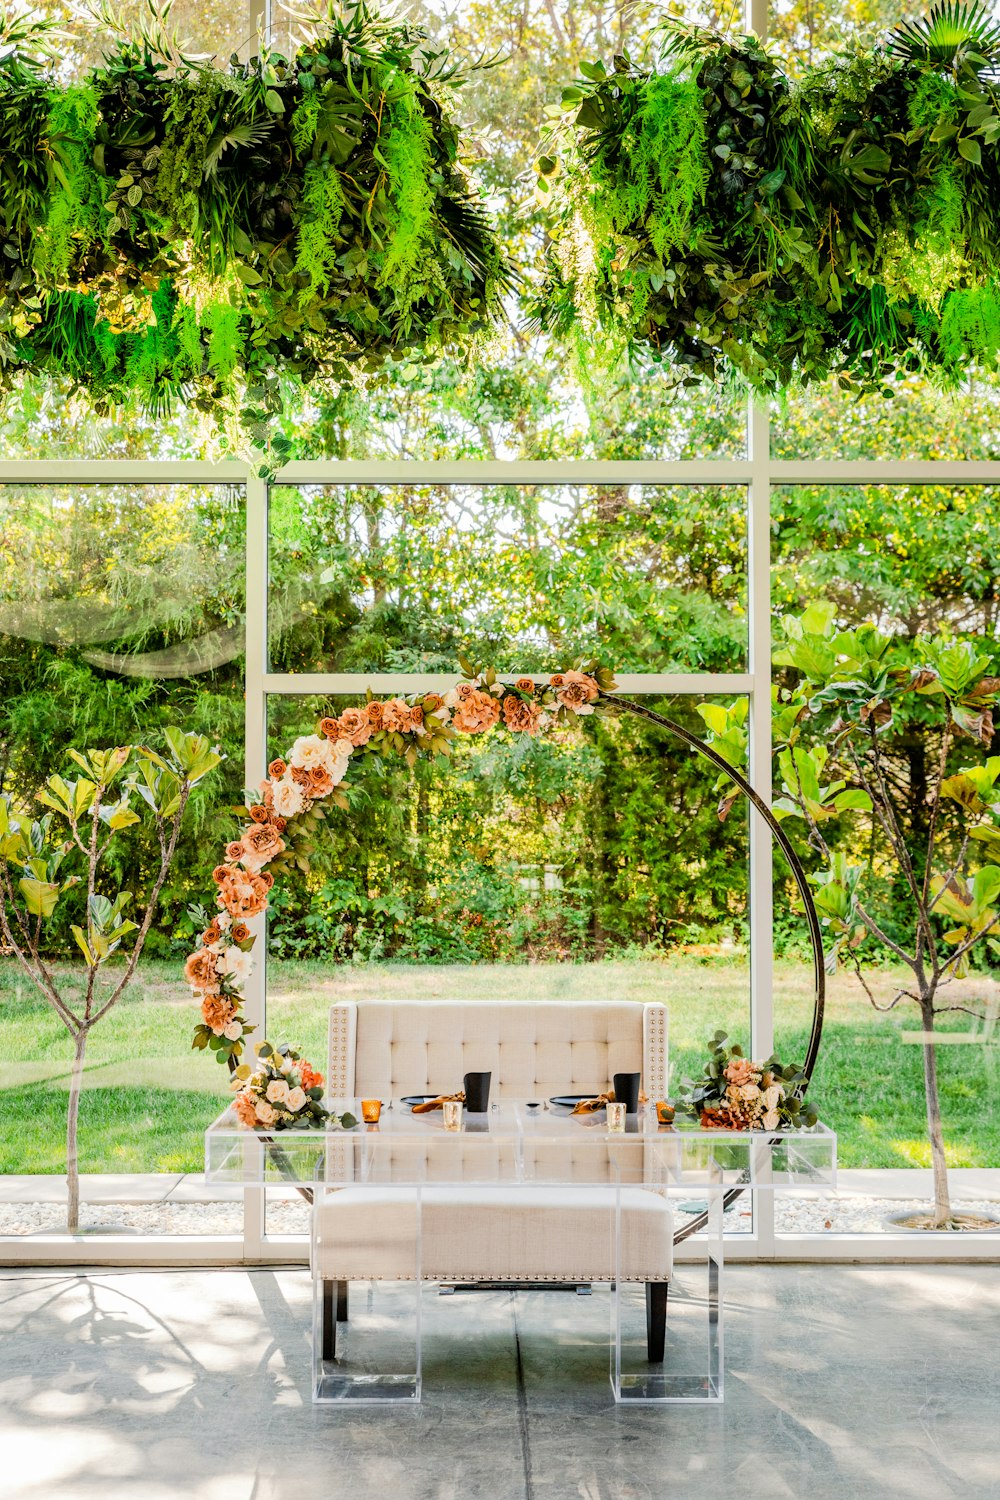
(148, 1097)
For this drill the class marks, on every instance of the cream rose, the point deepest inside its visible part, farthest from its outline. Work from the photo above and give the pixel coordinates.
(288, 799)
(235, 962)
(311, 750)
(749, 1091)
(233, 1031)
(771, 1120)
(296, 1099)
(266, 1114)
(277, 1091)
(773, 1096)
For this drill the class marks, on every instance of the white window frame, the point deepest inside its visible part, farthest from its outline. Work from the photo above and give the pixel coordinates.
(758, 473)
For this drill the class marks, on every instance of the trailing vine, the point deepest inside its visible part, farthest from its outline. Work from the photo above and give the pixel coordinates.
(729, 221)
(183, 232)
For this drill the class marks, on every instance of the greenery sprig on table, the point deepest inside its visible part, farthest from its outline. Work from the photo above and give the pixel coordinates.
(171, 230)
(733, 221)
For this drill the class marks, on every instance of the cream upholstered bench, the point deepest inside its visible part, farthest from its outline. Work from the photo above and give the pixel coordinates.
(513, 1233)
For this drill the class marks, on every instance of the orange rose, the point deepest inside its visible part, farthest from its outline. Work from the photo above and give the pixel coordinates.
(239, 932)
(260, 813)
(277, 769)
(246, 1110)
(416, 714)
(221, 873)
(374, 714)
(199, 971)
(432, 702)
(521, 717)
(525, 684)
(279, 824)
(328, 727)
(301, 777)
(556, 679)
(217, 1012)
(234, 851)
(310, 1079)
(320, 783)
(266, 879)
(476, 712)
(355, 725)
(212, 933)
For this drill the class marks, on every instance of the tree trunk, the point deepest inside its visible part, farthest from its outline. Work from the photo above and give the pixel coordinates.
(942, 1201)
(72, 1118)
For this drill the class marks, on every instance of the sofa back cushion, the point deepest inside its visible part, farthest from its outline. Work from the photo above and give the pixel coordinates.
(387, 1049)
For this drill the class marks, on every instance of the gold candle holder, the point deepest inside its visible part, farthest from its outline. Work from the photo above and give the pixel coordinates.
(451, 1109)
(664, 1112)
(371, 1110)
(616, 1117)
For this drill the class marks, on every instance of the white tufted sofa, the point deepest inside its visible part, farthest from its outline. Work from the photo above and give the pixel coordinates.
(510, 1232)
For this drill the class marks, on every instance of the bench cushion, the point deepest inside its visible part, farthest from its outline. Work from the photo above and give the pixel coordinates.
(516, 1232)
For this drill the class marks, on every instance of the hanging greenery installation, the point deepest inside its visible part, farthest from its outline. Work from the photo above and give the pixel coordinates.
(170, 230)
(732, 221)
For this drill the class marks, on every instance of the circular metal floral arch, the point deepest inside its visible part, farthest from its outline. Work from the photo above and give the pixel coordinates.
(217, 971)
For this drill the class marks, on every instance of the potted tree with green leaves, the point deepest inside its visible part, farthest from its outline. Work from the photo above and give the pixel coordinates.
(66, 854)
(904, 872)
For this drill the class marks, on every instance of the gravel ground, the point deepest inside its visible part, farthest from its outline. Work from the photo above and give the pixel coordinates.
(835, 1213)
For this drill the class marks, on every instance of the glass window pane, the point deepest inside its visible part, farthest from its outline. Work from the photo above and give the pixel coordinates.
(202, 26)
(401, 578)
(917, 561)
(121, 613)
(918, 422)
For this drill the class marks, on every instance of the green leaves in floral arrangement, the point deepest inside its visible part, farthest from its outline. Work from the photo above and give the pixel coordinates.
(180, 232)
(727, 221)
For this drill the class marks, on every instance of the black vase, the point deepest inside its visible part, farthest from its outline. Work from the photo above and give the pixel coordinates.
(626, 1087)
(477, 1092)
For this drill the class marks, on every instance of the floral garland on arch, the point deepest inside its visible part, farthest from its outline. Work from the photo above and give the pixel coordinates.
(288, 804)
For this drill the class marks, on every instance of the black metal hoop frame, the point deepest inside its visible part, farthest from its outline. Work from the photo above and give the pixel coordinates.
(627, 705)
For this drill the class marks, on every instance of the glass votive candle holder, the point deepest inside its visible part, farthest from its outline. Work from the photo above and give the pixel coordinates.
(451, 1109)
(371, 1110)
(616, 1117)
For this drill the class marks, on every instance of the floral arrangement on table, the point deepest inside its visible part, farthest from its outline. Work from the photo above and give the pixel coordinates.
(284, 1092)
(735, 1093)
(284, 811)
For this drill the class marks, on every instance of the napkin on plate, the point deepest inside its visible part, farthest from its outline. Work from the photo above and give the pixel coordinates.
(591, 1106)
(429, 1104)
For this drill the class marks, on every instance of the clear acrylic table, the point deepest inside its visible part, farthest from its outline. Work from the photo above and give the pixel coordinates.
(401, 1167)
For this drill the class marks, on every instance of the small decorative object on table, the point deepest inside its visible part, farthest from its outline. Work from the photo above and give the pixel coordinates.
(626, 1091)
(477, 1092)
(283, 1092)
(616, 1117)
(452, 1110)
(664, 1112)
(735, 1093)
(371, 1110)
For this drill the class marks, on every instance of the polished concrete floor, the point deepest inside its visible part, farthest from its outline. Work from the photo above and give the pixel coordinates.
(842, 1381)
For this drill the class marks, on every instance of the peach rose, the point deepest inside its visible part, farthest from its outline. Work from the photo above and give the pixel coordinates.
(199, 971)
(521, 717)
(476, 712)
(217, 1012)
(277, 1091)
(396, 716)
(265, 1112)
(233, 1031)
(355, 726)
(577, 691)
(244, 894)
(740, 1070)
(246, 1110)
(234, 851)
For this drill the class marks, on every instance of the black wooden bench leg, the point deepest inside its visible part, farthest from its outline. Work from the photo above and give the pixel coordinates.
(656, 1320)
(334, 1312)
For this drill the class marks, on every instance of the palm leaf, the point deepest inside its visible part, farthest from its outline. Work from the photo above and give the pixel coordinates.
(950, 28)
(250, 133)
